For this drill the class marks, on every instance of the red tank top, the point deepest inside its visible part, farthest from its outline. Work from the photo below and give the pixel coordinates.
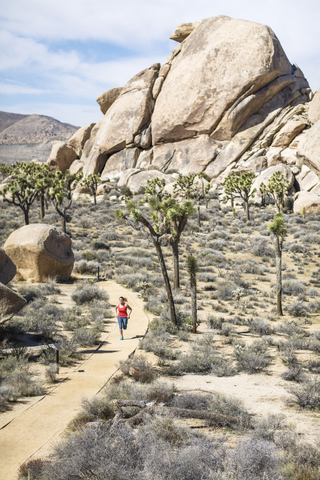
(122, 311)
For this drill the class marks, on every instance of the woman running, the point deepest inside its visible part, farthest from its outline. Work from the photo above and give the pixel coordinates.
(123, 315)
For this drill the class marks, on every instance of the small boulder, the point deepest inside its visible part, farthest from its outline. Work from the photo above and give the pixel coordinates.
(10, 302)
(140, 179)
(307, 200)
(39, 252)
(76, 167)
(106, 99)
(307, 179)
(7, 268)
(183, 31)
(61, 156)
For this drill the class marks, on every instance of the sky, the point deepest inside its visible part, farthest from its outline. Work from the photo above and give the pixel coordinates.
(57, 56)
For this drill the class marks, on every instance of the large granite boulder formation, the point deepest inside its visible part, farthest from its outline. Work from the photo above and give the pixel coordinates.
(40, 252)
(226, 95)
(7, 268)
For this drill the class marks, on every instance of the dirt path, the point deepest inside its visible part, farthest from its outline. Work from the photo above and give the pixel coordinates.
(31, 429)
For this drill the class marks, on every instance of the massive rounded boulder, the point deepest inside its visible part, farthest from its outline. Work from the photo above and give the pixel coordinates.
(222, 66)
(40, 252)
(7, 268)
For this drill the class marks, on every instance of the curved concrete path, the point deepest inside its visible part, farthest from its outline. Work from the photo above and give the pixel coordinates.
(30, 431)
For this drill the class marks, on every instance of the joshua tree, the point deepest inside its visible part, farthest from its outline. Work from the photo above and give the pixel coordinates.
(278, 187)
(185, 186)
(240, 186)
(156, 231)
(44, 178)
(21, 189)
(174, 217)
(91, 182)
(178, 214)
(61, 194)
(192, 267)
(278, 228)
(263, 189)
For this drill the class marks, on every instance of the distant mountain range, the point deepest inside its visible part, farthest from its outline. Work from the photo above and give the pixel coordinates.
(24, 137)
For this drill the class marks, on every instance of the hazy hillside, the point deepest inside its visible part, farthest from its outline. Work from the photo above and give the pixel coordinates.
(8, 119)
(24, 137)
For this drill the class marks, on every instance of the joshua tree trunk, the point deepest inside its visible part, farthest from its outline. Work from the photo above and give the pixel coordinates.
(246, 202)
(63, 224)
(166, 282)
(41, 206)
(176, 273)
(26, 215)
(278, 249)
(193, 284)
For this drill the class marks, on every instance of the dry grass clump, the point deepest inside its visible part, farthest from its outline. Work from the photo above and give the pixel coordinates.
(88, 293)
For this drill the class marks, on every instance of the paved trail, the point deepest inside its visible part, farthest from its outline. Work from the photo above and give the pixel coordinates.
(31, 429)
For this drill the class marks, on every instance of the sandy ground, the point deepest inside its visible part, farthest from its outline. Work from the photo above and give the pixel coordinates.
(261, 395)
(32, 427)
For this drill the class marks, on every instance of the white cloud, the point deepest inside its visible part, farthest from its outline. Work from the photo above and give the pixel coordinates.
(30, 29)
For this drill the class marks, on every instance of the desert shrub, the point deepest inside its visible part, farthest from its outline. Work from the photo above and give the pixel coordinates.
(298, 309)
(225, 290)
(290, 328)
(51, 372)
(250, 266)
(85, 222)
(253, 358)
(49, 288)
(265, 428)
(31, 469)
(139, 368)
(295, 247)
(73, 319)
(293, 287)
(88, 293)
(43, 319)
(256, 459)
(261, 327)
(86, 337)
(158, 342)
(99, 245)
(126, 390)
(85, 267)
(260, 248)
(313, 366)
(214, 322)
(90, 255)
(294, 374)
(306, 394)
(98, 408)
(312, 292)
(206, 277)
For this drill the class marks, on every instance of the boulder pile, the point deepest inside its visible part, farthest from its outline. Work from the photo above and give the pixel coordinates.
(227, 99)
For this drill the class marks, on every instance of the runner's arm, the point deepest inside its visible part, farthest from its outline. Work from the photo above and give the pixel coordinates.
(129, 308)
